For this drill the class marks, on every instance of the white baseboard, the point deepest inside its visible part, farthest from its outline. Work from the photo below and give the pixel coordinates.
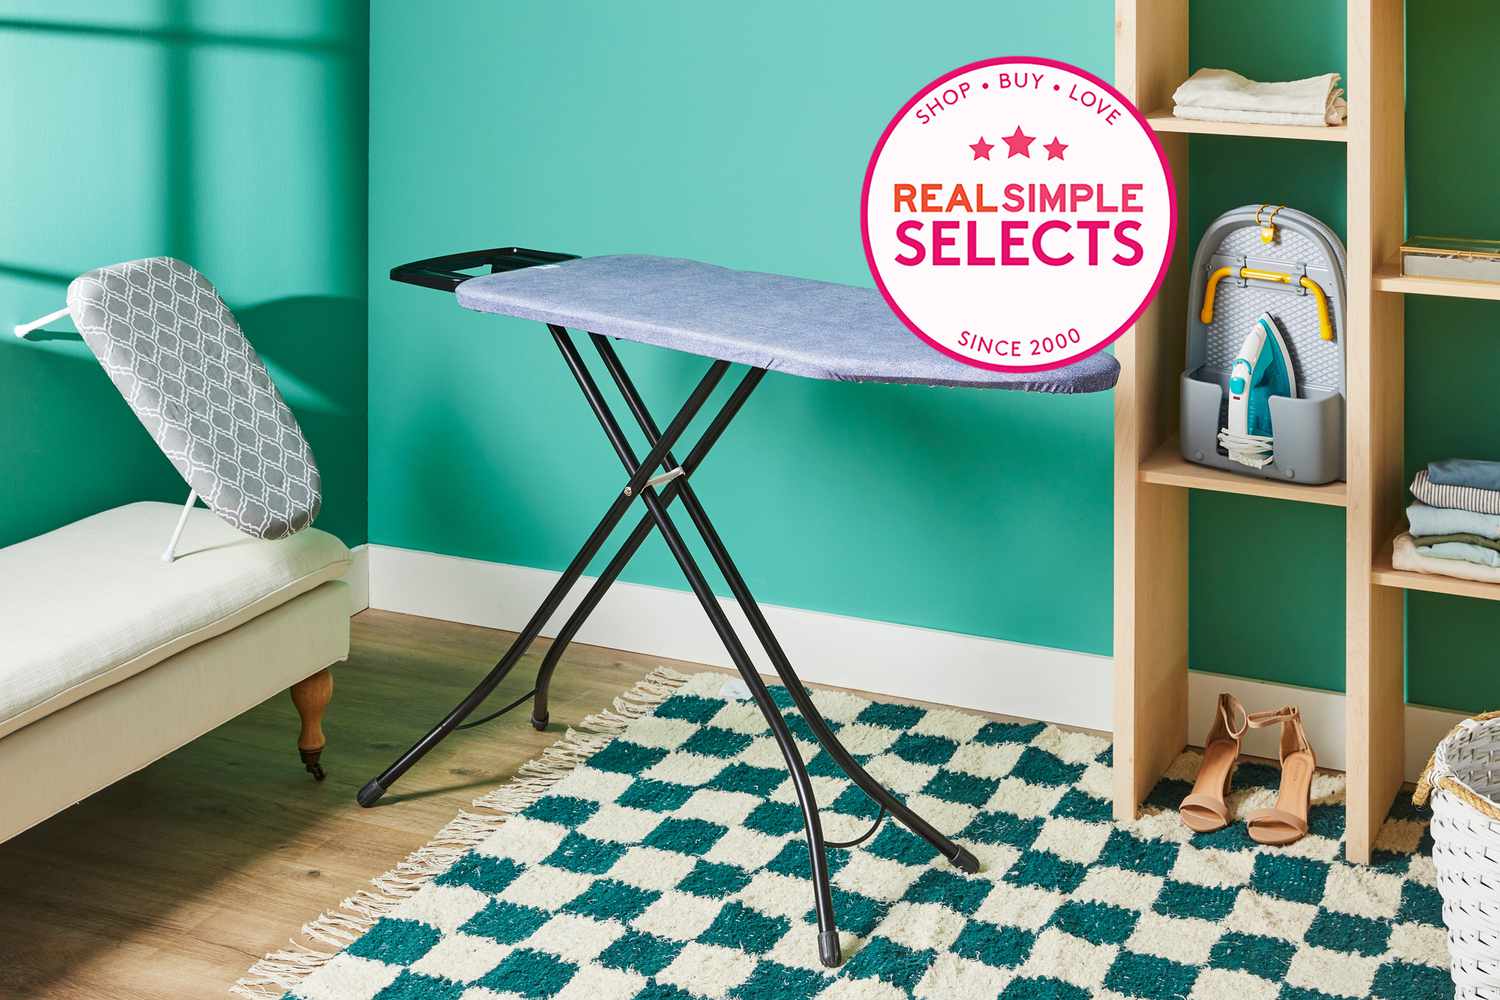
(903, 661)
(358, 578)
(1322, 716)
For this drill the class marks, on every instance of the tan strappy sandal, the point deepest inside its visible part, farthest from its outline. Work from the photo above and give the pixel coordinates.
(1286, 822)
(1204, 810)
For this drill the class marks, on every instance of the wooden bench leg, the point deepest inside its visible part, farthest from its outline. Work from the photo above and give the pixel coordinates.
(311, 696)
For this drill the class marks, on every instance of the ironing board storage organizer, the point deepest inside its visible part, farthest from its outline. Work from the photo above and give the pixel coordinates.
(767, 322)
(1296, 281)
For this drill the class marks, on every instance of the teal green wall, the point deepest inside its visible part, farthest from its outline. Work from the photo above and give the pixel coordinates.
(229, 134)
(235, 135)
(736, 133)
(718, 132)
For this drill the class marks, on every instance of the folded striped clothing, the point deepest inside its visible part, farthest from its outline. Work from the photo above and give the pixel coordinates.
(1470, 498)
(1406, 556)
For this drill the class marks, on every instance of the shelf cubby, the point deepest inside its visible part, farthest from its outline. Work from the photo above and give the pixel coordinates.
(1151, 479)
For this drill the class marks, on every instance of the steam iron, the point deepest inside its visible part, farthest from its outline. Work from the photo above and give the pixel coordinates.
(1262, 369)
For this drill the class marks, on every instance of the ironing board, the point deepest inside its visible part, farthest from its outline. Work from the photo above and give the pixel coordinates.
(177, 355)
(769, 323)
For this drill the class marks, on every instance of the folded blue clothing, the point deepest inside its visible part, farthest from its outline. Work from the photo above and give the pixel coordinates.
(1477, 554)
(1425, 520)
(1465, 472)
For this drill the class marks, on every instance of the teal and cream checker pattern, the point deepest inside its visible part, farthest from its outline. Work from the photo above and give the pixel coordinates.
(672, 866)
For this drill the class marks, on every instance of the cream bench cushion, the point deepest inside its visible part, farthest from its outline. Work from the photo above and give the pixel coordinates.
(92, 603)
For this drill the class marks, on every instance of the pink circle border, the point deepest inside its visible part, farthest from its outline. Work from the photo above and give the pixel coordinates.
(864, 201)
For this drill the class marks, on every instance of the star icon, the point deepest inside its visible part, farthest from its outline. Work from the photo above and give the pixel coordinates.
(1019, 143)
(1055, 149)
(981, 149)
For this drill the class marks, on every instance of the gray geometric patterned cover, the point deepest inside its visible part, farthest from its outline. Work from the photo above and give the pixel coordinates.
(176, 354)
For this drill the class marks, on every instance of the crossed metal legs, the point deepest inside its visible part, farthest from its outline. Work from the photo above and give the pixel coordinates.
(676, 483)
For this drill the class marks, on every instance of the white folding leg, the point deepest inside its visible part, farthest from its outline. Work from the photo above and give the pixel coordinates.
(22, 329)
(187, 509)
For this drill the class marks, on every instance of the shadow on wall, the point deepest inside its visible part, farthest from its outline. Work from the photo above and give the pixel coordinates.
(237, 145)
(231, 136)
(58, 400)
(314, 347)
(71, 446)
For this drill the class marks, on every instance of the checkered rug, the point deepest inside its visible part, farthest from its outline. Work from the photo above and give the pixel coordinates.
(663, 859)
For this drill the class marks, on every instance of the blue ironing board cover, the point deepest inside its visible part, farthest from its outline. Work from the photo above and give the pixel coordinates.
(810, 328)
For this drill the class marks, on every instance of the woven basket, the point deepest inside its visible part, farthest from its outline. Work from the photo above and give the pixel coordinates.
(1463, 780)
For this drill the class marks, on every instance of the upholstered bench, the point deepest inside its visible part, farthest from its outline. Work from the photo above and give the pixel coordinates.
(111, 657)
(129, 633)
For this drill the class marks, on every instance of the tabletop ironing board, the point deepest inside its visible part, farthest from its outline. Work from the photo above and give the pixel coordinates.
(765, 321)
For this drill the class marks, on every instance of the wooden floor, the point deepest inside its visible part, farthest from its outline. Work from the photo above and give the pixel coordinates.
(169, 884)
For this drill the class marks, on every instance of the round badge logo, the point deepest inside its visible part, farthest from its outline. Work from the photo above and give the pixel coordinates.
(1018, 214)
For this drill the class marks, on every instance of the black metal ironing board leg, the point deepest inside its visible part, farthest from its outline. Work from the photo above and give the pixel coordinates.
(377, 786)
(762, 629)
(639, 472)
(958, 855)
(828, 942)
(641, 483)
(829, 949)
(539, 713)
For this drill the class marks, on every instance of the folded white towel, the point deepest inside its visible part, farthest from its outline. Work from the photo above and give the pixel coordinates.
(1334, 116)
(1228, 91)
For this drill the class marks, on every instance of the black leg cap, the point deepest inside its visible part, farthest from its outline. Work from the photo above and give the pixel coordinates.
(965, 862)
(371, 793)
(829, 949)
(539, 722)
(310, 761)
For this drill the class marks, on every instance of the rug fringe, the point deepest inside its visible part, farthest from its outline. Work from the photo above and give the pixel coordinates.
(280, 971)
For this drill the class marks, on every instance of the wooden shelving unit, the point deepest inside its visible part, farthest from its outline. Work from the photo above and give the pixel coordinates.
(1165, 121)
(1151, 482)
